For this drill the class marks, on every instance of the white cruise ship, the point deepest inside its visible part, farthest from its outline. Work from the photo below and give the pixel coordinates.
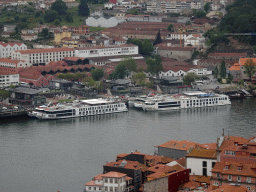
(187, 100)
(79, 109)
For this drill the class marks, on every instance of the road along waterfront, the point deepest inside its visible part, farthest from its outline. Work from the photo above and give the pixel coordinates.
(47, 156)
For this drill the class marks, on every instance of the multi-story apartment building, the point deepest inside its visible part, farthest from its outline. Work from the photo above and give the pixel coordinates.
(99, 51)
(6, 49)
(165, 6)
(197, 4)
(42, 56)
(230, 173)
(111, 181)
(8, 78)
(7, 63)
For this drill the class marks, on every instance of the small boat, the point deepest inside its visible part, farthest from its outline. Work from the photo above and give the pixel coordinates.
(237, 96)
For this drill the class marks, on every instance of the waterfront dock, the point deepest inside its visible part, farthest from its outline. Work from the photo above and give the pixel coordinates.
(14, 112)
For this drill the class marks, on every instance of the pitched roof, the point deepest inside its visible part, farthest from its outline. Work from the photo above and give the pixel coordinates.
(10, 44)
(5, 72)
(248, 170)
(226, 54)
(156, 175)
(50, 50)
(162, 46)
(243, 60)
(180, 145)
(203, 153)
(165, 168)
(113, 174)
(92, 183)
(231, 188)
(8, 60)
(129, 164)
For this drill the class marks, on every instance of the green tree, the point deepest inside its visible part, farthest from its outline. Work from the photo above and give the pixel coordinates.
(45, 33)
(189, 78)
(60, 7)
(216, 72)
(207, 7)
(134, 12)
(147, 47)
(30, 3)
(120, 71)
(97, 74)
(249, 68)
(170, 28)
(223, 69)
(50, 16)
(130, 64)
(56, 22)
(154, 65)
(139, 78)
(83, 9)
(89, 82)
(69, 18)
(16, 18)
(136, 42)
(200, 14)
(158, 38)
(98, 85)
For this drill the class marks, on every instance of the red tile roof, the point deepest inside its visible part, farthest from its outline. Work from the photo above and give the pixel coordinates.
(243, 60)
(92, 183)
(248, 170)
(165, 168)
(5, 72)
(11, 44)
(231, 188)
(113, 174)
(203, 153)
(226, 54)
(8, 60)
(181, 145)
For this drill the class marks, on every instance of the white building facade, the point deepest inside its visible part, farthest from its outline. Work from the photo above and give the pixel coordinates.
(7, 79)
(181, 72)
(127, 49)
(201, 161)
(195, 40)
(14, 64)
(108, 182)
(43, 56)
(6, 49)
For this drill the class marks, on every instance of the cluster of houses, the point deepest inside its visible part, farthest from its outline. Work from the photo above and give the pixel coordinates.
(227, 165)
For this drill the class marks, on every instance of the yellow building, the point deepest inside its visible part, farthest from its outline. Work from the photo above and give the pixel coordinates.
(58, 36)
(69, 42)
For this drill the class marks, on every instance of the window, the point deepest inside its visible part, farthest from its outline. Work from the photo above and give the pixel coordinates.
(106, 188)
(204, 163)
(106, 180)
(249, 188)
(218, 175)
(226, 167)
(239, 168)
(116, 180)
(90, 188)
(213, 163)
(94, 188)
(111, 180)
(216, 183)
(230, 178)
(248, 179)
(110, 188)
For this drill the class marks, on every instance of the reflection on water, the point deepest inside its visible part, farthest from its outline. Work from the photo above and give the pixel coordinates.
(52, 155)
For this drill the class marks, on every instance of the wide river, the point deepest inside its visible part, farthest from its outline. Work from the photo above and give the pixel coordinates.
(52, 155)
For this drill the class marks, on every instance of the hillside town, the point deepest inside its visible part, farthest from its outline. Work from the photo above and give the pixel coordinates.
(98, 52)
(226, 165)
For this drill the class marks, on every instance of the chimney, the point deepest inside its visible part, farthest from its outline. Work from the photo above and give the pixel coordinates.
(223, 132)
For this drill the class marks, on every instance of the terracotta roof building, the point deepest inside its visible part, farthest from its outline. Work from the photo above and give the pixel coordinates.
(201, 161)
(6, 49)
(177, 149)
(42, 56)
(226, 173)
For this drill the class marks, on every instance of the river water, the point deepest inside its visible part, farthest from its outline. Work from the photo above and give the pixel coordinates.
(47, 156)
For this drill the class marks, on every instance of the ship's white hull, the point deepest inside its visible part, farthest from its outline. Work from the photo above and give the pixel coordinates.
(80, 109)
